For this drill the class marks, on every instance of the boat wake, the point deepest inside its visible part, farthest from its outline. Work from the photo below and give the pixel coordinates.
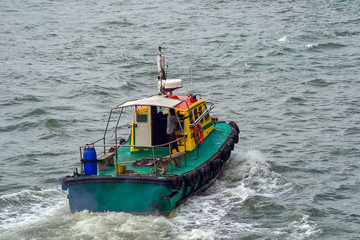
(28, 206)
(247, 190)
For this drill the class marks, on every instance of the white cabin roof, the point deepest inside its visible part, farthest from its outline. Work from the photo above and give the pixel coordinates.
(156, 100)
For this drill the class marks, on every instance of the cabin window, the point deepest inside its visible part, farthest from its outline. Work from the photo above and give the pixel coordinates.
(181, 121)
(200, 112)
(207, 116)
(141, 114)
(195, 114)
(163, 110)
(191, 117)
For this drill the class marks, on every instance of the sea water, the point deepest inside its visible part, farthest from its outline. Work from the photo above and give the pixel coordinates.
(287, 72)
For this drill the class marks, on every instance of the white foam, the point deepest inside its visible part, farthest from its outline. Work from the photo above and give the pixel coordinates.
(311, 45)
(196, 234)
(117, 225)
(252, 169)
(284, 39)
(303, 228)
(246, 175)
(239, 194)
(29, 205)
(208, 212)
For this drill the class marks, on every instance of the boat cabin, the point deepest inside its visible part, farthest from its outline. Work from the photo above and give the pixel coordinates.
(149, 122)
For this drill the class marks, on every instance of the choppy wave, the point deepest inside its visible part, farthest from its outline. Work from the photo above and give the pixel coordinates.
(50, 123)
(23, 126)
(35, 112)
(128, 85)
(319, 82)
(347, 33)
(247, 185)
(321, 46)
(21, 99)
(28, 206)
(118, 23)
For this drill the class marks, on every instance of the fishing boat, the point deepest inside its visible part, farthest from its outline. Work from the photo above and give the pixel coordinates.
(175, 150)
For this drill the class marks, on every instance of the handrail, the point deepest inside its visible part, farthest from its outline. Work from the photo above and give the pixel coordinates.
(95, 141)
(123, 145)
(117, 146)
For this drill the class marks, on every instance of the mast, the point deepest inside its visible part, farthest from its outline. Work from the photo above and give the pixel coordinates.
(161, 70)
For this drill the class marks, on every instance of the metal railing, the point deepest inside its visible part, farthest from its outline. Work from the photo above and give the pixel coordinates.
(118, 146)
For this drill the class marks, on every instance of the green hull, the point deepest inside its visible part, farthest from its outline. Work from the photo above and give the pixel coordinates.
(138, 198)
(124, 197)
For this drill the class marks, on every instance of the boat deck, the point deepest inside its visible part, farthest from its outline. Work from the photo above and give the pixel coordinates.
(210, 145)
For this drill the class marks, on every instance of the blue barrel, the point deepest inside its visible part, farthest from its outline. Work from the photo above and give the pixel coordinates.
(90, 163)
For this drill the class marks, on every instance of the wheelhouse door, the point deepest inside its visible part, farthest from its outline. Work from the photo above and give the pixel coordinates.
(142, 126)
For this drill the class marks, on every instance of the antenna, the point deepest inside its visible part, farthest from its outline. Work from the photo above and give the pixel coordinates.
(161, 70)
